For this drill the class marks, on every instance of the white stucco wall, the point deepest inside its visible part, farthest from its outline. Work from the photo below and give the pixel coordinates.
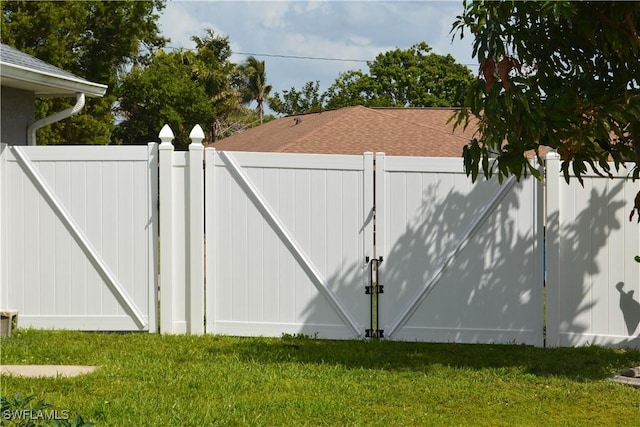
(17, 113)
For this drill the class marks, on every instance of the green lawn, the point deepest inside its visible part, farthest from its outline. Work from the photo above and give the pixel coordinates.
(161, 380)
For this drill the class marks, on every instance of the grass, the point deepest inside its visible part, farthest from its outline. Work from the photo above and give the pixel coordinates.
(165, 380)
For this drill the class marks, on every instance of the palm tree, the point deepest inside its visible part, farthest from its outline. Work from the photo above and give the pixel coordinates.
(255, 85)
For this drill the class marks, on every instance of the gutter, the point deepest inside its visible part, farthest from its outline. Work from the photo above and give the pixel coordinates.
(49, 84)
(64, 114)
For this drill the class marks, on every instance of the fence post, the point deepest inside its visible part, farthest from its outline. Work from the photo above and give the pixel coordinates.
(166, 230)
(195, 246)
(210, 220)
(380, 197)
(4, 293)
(152, 188)
(380, 242)
(368, 199)
(552, 250)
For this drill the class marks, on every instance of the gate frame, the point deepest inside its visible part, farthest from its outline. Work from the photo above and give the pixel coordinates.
(216, 159)
(535, 333)
(22, 157)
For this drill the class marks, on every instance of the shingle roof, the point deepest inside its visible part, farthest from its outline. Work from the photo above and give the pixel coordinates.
(13, 56)
(355, 130)
(23, 71)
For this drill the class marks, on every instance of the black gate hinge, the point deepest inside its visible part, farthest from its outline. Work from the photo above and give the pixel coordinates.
(374, 333)
(379, 289)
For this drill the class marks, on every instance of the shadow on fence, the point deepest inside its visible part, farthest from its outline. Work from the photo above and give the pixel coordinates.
(487, 291)
(586, 301)
(630, 308)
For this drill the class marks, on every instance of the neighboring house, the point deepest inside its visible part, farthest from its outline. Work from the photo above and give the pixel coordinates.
(24, 78)
(355, 130)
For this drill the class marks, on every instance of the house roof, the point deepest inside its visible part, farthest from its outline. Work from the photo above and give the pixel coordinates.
(22, 71)
(355, 130)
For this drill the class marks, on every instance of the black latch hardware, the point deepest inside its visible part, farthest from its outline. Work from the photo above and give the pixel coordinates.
(374, 333)
(374, 291)
(379, 289)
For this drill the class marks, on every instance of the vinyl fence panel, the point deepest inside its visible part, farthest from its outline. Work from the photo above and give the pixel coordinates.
(462, 262)
(78, 236)
(593, 280)
(285, 244)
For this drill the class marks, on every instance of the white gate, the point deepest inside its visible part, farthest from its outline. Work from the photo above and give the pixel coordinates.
(292, 242)
(77, 236)
(593, 280)
(462, 262)
(286, 238)
(290, 237)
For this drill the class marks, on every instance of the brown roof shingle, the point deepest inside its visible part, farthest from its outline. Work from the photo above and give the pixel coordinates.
(355, 130)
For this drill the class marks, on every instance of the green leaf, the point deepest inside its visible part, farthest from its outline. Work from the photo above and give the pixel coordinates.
(578, 84)
(535, 171)
(485, 164)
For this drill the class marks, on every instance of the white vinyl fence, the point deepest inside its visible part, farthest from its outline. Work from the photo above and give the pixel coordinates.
(78, 229)
(290, 241)
(286, 236)
(182, 235)
(462, 262)
(323, 245)
(593, 281)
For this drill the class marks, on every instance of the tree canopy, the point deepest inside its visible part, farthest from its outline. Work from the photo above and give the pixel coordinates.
(560, 74)
(96, 40)
(413, 77)
(182, 88)
(306, 100)
(254, 83)
(416, 77)
(354, 88)
(163, 92)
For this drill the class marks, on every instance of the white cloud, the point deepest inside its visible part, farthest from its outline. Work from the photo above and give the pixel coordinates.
(330, 29)
(177, 24)
(315, 6)
(271, 15)
(359, 40)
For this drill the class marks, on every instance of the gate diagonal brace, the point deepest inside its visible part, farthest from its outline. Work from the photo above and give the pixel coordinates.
(289, 241)
(81, 238)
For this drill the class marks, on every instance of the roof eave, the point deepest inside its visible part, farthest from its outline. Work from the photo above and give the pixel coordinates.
(45, 84)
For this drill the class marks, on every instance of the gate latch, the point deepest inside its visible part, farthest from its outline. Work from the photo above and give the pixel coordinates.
(374, 291)
(374, 333)
(378, 289)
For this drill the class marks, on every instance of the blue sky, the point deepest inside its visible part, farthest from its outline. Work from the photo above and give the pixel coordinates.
(338, 30)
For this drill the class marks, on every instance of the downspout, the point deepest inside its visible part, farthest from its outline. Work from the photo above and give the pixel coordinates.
(33, 127)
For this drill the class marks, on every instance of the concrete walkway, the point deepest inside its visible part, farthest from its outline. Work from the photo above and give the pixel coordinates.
(53, 371)
(629, 377)
(633, 382)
